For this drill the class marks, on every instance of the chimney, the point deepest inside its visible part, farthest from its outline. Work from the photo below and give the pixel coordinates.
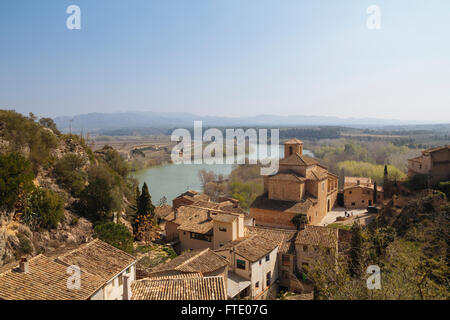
(24, 265)
(175, 213)
(126, 288)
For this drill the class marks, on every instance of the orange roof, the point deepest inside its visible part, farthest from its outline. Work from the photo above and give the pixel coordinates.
(294, 141)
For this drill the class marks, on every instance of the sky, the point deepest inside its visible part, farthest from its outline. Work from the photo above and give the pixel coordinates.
(227, 58)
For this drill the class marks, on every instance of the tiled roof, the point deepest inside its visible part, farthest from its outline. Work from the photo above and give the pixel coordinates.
(98, 258)
(46, 280)
(192, 288)
(263, 202)
(194, 196)
(196, 261)
(365, 187)
(174, 276)
(354, 181)
(284, 238)
(183, 214)
(251, 248)
(198, 221)
(224, 217)
(201, 220)
(317, 173)
(318, 236)
(285, 176)
(163, 211)
(437, 149)
(294, 141)
(299, 160)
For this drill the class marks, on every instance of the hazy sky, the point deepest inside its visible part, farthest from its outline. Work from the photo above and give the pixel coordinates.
(227, 57)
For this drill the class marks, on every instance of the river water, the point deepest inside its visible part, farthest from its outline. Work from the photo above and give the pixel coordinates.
(171, 180)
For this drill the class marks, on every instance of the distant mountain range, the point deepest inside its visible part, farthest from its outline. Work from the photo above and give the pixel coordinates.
(98, 122)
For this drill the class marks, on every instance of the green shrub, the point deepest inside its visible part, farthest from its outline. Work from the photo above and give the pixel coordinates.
(74, 221)
(103, 195)
(25, 246)
(116, 235)
(15, 176)
(69, 174)
(45, 208)
(418, 182)
(115, 162)
(445, 188)
(22, 132)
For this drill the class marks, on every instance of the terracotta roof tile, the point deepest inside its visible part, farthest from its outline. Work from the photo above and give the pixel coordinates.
(294, 141)
(299, 160)
(196, 261)
(263, 202)
(192, 288)
(318, 236)
(251, 248)
(98, 258)
(46, 280)
(284, 238)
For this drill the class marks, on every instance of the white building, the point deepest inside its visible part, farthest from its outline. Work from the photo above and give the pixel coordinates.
(105, 273)
(252, 264)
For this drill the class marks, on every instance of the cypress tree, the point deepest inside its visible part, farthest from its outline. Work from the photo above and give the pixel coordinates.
(145, 205)
(375, 191)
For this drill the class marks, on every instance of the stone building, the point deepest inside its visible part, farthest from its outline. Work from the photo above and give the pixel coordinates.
(205, 224)
(435, 163)
(359, 192)
(301, 186)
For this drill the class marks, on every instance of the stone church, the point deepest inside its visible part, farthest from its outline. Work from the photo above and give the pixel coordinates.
(301, 186)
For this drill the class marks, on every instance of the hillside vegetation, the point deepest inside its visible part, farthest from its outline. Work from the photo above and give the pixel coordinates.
(53, 188)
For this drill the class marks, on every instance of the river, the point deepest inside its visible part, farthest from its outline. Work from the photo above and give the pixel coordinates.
(170, 180)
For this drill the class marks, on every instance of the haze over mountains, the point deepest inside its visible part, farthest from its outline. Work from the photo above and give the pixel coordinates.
(97, 122)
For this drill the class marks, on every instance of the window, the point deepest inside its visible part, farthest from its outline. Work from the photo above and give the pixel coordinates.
(128, 270)
(328, 251)
(353, 203)
(305, 248)
(199, 236)
(223, 229)
(362, 201)
(260, 262)
(268, 278)
(120, 280)
(240, 264)
(267, 257)
(285, 260)
(350, 192)
(257, 284)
